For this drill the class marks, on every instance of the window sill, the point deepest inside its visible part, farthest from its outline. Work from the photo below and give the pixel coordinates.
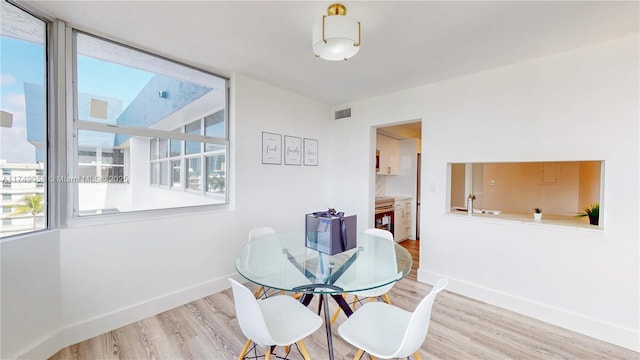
(558, 221)
(143, 215)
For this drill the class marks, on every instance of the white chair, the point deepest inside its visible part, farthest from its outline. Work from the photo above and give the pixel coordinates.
(276, 321)
(390, 268)
(386, 331)
(267, 256)
(260, 232)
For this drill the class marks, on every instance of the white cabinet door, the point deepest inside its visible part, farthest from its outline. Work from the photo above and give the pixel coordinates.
(398, 227)
(393, 149)
(402, 219)
(389, 155)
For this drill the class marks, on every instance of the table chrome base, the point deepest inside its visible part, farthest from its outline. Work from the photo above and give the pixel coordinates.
(324, 305)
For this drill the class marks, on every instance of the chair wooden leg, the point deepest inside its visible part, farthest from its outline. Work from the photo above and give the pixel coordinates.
(355, 301)
(372, 299)
(386, 298)
(244, 350)
(257, 293)
(286, 349)
(267, 356)
(303, 350)
(297, 295)
(417, 356)
(335, 315)
(358, 354)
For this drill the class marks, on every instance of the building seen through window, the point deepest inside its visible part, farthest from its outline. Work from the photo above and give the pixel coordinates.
(23, 122)
(150, 133)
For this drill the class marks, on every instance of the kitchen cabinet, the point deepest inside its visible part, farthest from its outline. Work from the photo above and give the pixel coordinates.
(402, 219)
(389, 157)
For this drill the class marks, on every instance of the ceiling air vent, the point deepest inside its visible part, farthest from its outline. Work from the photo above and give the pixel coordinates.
(342, 113)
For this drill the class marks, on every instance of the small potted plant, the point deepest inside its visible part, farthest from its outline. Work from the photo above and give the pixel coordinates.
(593, 212)
(537, 214)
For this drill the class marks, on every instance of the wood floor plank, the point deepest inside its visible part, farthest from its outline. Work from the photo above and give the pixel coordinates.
(461, 328)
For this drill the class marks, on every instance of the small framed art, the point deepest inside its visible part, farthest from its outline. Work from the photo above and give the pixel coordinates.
(292, 150)
(310, 152)
(271, 148)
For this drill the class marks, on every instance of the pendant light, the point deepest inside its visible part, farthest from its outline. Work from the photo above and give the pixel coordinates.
(337, 36)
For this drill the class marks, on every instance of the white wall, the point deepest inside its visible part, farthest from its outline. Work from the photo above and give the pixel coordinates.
(31, 303)
(114, 274)
(577, 105)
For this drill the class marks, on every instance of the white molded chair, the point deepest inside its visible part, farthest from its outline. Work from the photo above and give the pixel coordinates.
(386, 331)
(276, 321)
(260, 232)
(379, 291)
(269, 256)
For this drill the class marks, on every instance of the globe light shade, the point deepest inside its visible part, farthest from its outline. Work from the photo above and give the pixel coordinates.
(341, 38)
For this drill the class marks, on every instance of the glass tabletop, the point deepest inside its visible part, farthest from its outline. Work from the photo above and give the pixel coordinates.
(282, 261)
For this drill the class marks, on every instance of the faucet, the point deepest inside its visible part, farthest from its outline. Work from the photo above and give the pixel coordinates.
(470, 199)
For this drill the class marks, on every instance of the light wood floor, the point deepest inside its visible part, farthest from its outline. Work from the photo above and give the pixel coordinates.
(461, 328)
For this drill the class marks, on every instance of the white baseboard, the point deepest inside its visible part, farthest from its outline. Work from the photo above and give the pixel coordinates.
(42, 349)
(611, 333)
(89, 328)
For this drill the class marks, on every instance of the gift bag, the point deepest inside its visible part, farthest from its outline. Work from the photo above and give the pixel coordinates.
(330, 232)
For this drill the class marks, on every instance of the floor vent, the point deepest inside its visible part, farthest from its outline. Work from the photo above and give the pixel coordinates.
(342, 114)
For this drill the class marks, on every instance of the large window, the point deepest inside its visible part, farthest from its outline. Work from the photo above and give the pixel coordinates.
(144, 132)
(23, 121)
(149, 133)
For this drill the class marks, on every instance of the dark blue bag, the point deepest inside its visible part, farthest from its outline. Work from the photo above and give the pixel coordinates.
(330, 232)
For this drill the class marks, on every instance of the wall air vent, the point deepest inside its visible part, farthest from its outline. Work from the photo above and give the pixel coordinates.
(342, 113)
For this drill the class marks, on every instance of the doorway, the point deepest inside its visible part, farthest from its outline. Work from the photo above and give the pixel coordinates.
(398, 156)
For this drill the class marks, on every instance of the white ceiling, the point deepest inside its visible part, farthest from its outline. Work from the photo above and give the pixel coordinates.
(404, 44)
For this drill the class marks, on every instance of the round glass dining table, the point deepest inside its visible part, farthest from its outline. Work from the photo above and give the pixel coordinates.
(282, 261)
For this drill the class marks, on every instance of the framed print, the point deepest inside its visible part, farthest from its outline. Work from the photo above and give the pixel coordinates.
(271, 148)
(292, 150)
(310, 152)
